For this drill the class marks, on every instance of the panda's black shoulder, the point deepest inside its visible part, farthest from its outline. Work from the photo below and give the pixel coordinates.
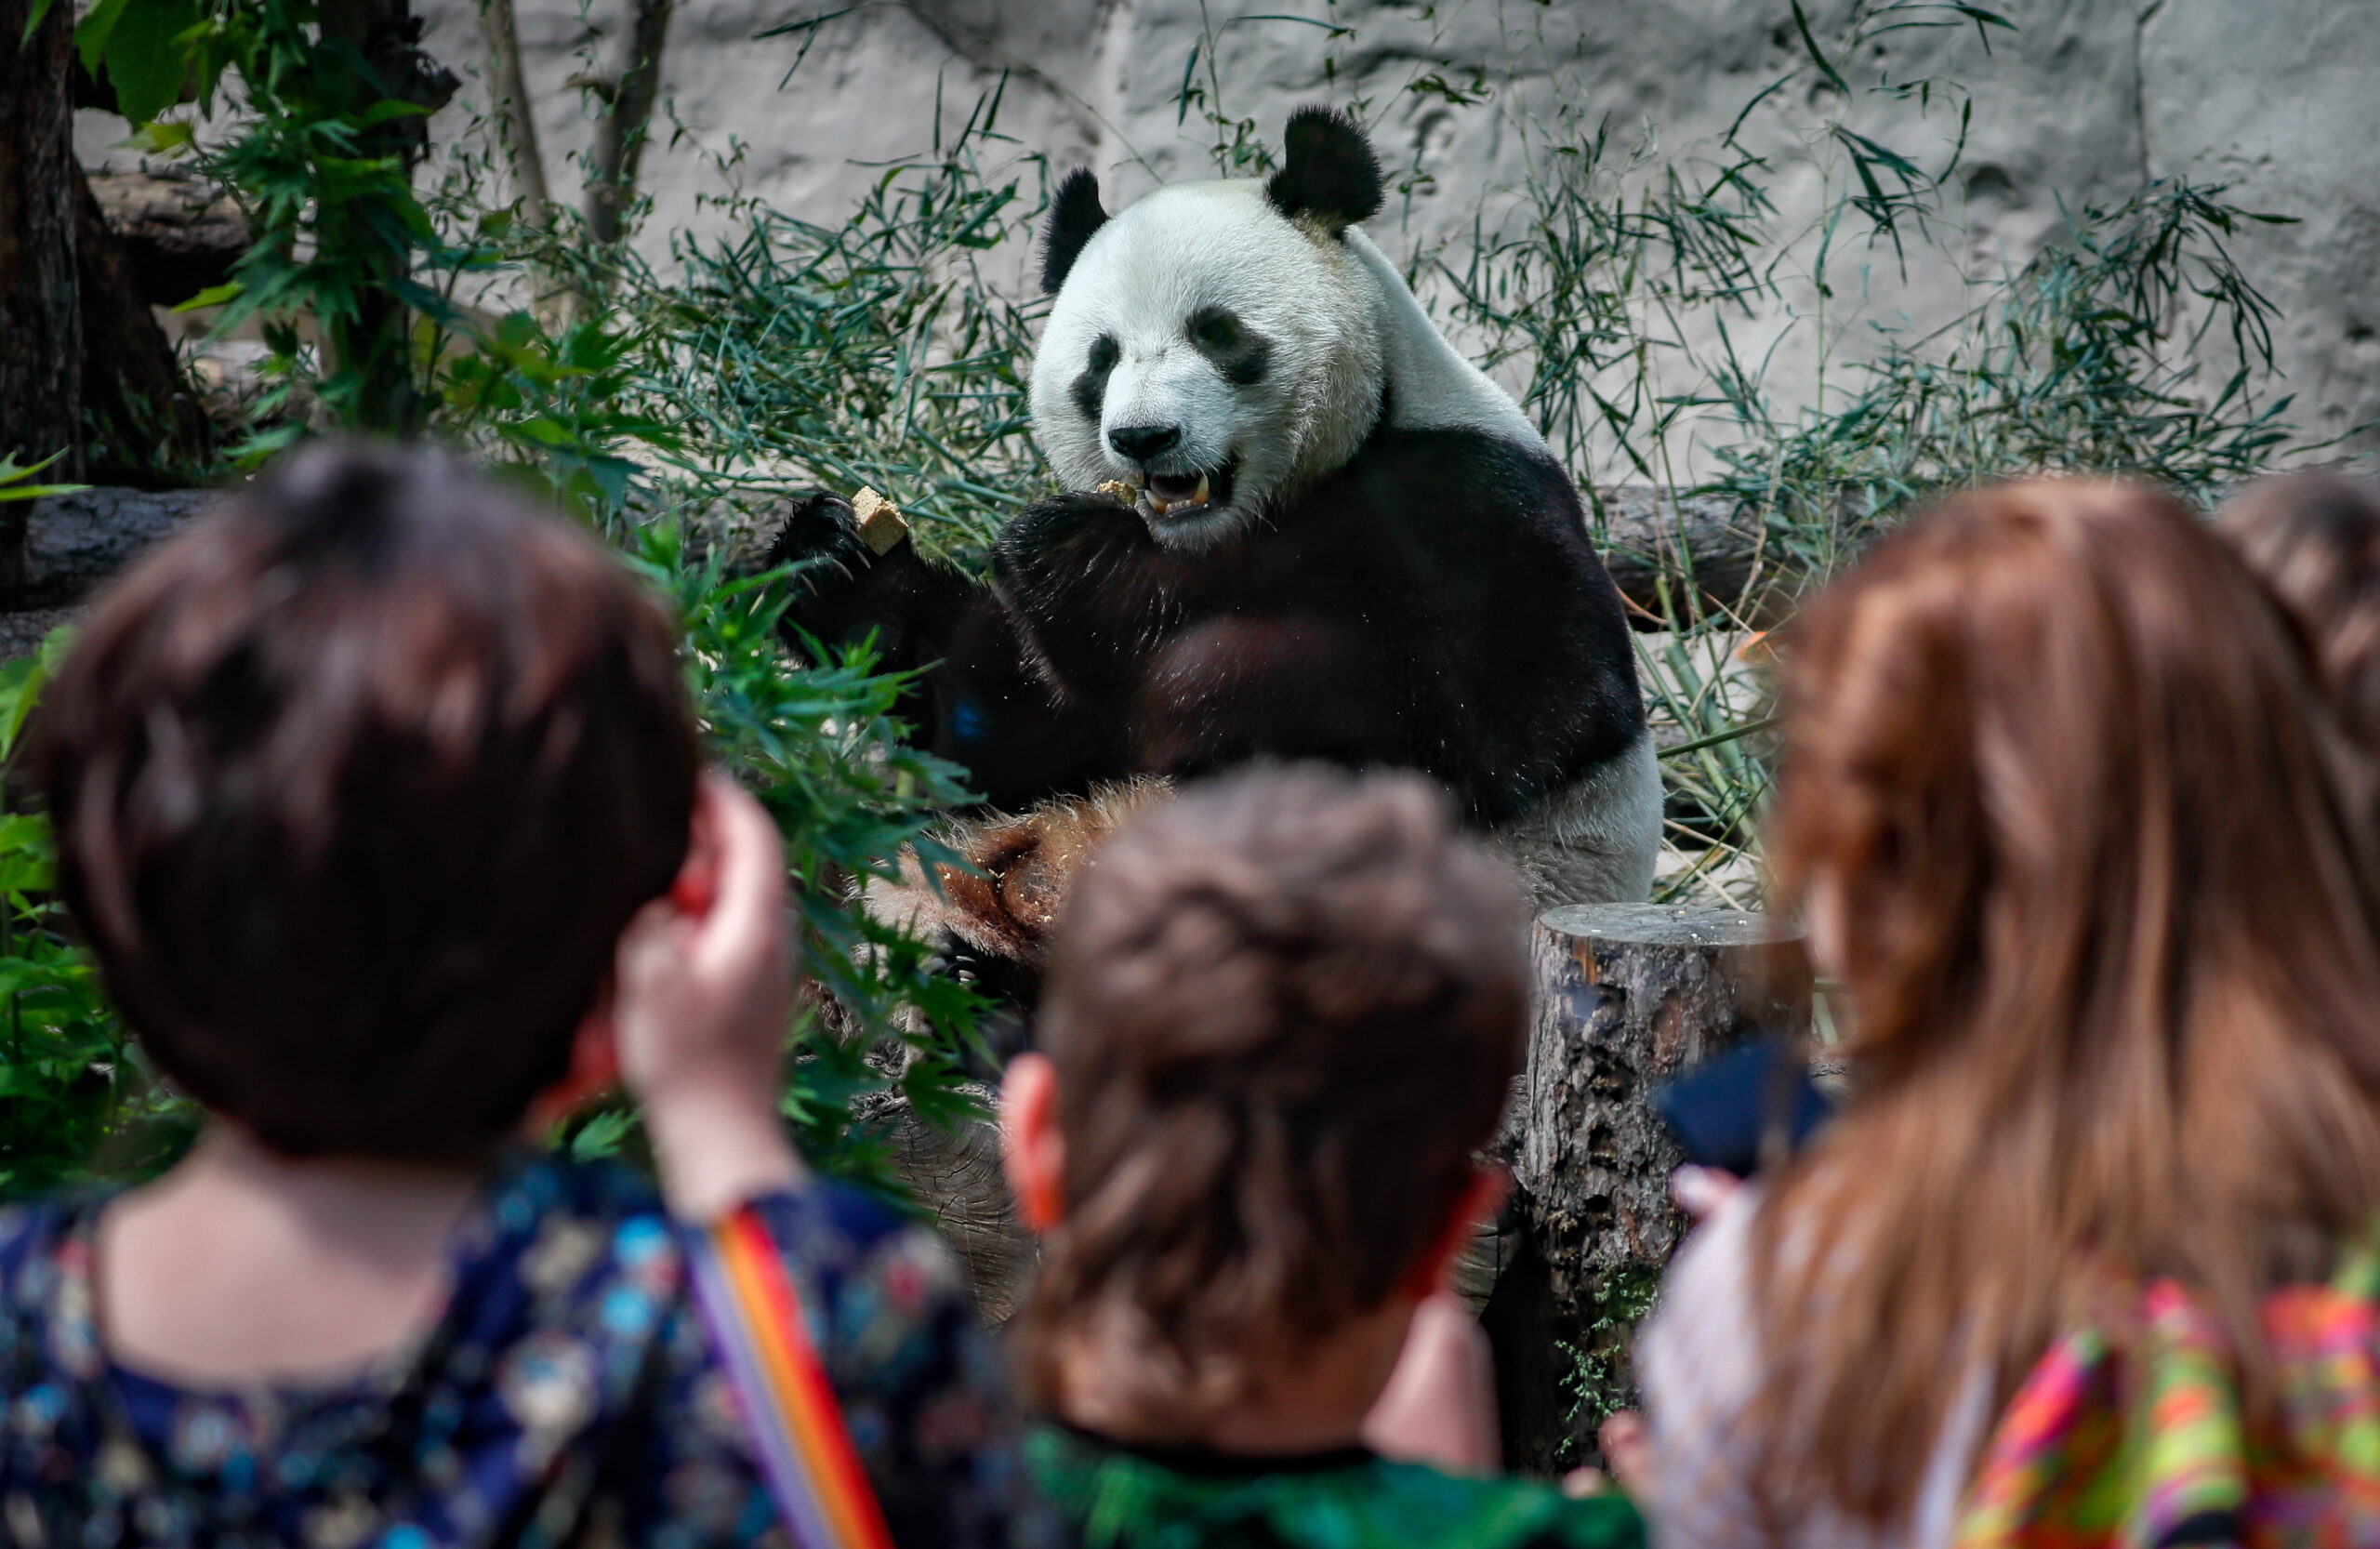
(1459, 500)
(1419, 477)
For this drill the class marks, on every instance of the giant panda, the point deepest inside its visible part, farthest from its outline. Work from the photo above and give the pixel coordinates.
(1297, 525)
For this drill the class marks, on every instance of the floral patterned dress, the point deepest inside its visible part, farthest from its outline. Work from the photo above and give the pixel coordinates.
(567, 1396)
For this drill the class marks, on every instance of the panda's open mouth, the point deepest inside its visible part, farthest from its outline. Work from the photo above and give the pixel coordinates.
(1173, 495)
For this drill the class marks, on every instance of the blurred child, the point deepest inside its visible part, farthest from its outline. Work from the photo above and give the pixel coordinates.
(373, 794)
(2089, 1258)
(2314, 540)
(1281, 1018)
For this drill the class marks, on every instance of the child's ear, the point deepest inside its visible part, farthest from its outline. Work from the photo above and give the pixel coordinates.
(1030, 1144)
(1479, 1201)
(594, 1069)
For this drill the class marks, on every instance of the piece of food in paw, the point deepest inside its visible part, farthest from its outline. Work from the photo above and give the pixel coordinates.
(1119, 492)
(881, 525)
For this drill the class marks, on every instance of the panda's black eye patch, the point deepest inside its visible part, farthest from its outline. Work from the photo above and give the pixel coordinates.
(1088, 389)
(1242, 355)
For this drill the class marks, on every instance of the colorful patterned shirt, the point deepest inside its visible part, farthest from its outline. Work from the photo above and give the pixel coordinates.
(1133, 1498)
(2131, 1435)
(566, 1395)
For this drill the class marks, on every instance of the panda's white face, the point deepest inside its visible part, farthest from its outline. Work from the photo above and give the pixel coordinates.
(1211, 352)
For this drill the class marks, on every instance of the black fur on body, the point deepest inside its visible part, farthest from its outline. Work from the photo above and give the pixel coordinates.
(1433, 604)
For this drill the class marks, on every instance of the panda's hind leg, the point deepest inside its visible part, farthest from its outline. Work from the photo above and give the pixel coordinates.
(992, 920)
(1596, 840)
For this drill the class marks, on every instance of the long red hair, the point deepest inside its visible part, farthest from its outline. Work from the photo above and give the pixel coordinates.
(2058, 794)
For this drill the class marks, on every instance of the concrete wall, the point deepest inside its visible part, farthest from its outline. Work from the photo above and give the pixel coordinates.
(2085, 102)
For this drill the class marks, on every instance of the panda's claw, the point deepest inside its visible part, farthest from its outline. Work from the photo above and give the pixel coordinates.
(821, 533)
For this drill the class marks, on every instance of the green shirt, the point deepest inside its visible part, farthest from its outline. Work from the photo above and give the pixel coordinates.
(1132, 1498)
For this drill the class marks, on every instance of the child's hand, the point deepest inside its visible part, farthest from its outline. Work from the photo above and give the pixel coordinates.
(705, 987)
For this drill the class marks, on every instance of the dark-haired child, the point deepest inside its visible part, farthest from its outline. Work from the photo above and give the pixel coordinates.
(1280, 1020)
(2314, 540)
(379, 800)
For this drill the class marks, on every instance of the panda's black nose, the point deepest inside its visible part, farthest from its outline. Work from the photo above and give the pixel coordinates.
(1141, 442)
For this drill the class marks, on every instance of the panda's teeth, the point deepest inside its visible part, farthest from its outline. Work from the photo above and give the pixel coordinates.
(1198, 496)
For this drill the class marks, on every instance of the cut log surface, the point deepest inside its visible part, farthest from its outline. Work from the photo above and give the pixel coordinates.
(1628, 996)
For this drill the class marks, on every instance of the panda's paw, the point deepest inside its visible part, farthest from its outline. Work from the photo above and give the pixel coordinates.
(821, 539)
(1068, 534)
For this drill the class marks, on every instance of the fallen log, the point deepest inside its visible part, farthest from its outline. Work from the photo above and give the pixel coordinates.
(74, 542)
(1675, 556)
(180, 234)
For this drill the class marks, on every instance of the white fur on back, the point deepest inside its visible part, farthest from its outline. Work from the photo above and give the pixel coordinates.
(1431, 386)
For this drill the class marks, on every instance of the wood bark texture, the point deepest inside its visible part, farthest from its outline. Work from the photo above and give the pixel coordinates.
(1677, 556)
(958, 1175)
(516, 118)
(1628, 996)
(149, 421)
(620, 133)
(180, 233)
(41, 344)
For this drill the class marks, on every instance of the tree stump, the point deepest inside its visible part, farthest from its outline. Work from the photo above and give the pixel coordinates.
(1628, 995)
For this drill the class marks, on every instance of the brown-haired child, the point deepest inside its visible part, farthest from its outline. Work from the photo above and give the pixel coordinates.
(2088, 1256)
(379, 799)
(2315, 540)
(1281, 1018)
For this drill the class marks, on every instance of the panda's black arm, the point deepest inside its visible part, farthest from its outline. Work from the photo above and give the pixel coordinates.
(1093, 596)
(977, 699)
(843, 592)
(1288, 685)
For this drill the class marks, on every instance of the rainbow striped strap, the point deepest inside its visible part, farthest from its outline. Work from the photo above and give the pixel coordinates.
(754, 1314)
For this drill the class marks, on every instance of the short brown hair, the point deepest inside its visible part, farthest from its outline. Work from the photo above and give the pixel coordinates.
(356, 784)
(1284, 1011)
(2315, 540)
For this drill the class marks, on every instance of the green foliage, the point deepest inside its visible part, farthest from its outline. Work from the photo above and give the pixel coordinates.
(12, 477)
(2088, 357)
(76, 1099)
(322, 160)
(882, 352)
(557, 410)
(1602, 1377)
(822, 750)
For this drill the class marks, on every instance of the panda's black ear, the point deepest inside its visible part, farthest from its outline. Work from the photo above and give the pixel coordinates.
(1328, 170)
(1075, 214)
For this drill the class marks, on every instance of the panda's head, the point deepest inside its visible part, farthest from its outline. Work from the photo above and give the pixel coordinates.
(1214, 345)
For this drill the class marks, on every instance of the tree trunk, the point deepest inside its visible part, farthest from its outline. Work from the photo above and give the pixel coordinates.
(1628, 996)
(620, 133)
(149, 424)
(41, 345)
(516, 123)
